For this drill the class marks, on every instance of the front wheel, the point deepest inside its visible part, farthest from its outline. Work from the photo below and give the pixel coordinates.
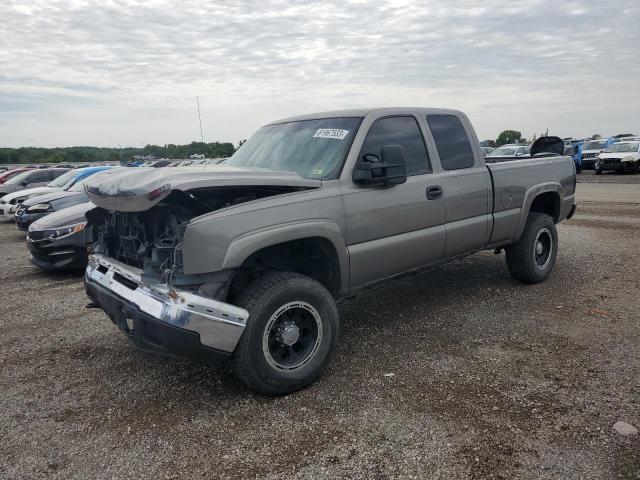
(291, 333)
(532, 258)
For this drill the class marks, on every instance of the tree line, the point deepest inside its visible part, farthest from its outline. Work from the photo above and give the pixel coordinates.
(29, 155)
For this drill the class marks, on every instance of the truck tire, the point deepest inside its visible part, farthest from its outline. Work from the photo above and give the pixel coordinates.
(291, 333)
(531, 259)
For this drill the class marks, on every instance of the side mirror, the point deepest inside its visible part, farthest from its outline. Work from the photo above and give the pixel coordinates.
(388, 172)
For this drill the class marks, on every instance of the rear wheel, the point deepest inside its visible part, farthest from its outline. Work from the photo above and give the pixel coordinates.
(532, 258)
(290, 336)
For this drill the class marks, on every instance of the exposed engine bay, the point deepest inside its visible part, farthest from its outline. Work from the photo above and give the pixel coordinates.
(151, 240)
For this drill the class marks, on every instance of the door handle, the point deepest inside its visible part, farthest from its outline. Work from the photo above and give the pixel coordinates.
(435, 192)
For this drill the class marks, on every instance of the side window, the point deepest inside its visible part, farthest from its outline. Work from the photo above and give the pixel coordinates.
(53, 174)
(452, 142)
(398, 131)
(38, 177)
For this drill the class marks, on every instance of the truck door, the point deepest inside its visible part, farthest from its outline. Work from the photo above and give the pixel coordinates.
(399, 228)
(466, 184)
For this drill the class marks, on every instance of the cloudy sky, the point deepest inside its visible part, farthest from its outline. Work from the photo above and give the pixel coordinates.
(126, 73)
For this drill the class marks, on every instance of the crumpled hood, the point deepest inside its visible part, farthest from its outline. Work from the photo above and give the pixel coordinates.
(139, 189)
(67, 216)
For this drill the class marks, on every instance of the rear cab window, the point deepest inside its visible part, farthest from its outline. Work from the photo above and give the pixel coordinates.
(452, 142)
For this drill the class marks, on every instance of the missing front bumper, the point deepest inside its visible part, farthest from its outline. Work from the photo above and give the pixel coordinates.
(119, 290)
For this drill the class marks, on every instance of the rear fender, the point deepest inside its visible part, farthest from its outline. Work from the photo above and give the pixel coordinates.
(530, 196)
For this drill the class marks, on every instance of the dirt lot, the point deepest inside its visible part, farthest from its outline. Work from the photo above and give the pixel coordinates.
(608, 177)
(456, 373)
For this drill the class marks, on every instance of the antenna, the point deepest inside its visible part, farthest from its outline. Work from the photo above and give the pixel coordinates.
(200, 119)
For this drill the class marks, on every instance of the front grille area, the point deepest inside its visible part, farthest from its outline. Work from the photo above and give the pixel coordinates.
(36, 235)
(40, 256)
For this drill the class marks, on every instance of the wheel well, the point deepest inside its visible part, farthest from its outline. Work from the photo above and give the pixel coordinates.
(314, 257)
(549, 203)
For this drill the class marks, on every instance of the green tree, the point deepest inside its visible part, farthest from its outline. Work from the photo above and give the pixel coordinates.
(508, 136)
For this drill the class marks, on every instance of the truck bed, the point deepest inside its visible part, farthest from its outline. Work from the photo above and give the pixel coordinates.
(517, 181)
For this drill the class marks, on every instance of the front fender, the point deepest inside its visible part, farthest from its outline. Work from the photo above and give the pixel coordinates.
(251, 242)
(221, 252)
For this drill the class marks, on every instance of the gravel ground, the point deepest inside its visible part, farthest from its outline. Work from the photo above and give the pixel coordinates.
(460, 372)
(607, 177)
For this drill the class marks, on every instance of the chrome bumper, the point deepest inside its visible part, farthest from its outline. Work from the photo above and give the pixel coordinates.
(219, 324)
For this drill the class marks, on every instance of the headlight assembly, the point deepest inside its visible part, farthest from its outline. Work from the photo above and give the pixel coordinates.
(62, 232)
(39, 208)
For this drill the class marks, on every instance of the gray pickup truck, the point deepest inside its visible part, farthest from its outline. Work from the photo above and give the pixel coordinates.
(247, 259)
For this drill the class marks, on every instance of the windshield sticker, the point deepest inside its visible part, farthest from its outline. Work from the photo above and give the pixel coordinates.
(336, 133)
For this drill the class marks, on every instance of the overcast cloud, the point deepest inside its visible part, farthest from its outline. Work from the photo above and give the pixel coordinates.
(114, 73)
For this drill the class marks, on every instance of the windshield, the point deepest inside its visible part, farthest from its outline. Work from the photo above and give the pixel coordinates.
(312, 148)
(79, 185)
(620, 147)
(503, 151)
(599, 145)
(63, 179)
(18, 178)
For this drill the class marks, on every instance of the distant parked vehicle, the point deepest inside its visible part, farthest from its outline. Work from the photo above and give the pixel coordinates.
(57, 241)
(161, 163)
(590, 151)
(487, 150)
(4, 176)
(10, 202)
(35, 208)
(30, 179)
(510, 151)
(620, 157)
(573, 149)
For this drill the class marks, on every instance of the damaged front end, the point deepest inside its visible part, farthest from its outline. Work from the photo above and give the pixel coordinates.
(152, 240)
(136, 271)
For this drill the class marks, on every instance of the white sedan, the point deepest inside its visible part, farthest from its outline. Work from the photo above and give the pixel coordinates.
(10, 202)
(620, 157)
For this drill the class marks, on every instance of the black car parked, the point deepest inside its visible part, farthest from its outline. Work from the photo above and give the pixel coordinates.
(57, 241)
